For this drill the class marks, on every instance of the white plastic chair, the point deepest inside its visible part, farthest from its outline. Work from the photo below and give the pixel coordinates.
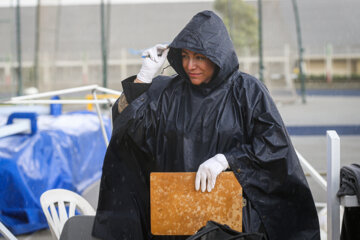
(6, 233)
(54, 203)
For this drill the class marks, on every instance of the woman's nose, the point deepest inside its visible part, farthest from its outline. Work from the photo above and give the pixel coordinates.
(191, 64)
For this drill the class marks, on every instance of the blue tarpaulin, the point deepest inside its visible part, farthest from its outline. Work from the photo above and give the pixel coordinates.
(66, 152)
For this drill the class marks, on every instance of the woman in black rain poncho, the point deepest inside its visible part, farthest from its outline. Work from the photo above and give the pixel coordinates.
(208, 118)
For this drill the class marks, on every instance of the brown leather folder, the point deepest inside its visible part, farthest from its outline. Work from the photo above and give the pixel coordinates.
(177, 209)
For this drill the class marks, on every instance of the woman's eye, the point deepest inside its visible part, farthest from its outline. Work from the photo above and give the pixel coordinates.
(184, 56)
(201, 58)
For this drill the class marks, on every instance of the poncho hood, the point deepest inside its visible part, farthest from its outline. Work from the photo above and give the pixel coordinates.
(205, 34)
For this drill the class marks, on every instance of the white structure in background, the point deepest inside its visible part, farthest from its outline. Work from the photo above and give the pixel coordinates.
(94, 89)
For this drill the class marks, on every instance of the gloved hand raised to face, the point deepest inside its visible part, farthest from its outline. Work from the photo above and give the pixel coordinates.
(153, 59)
(208, 171)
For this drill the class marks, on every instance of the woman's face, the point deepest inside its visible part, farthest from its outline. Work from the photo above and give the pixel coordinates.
(198, 67)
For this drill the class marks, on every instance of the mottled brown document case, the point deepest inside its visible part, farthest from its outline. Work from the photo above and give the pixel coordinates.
(177, 209)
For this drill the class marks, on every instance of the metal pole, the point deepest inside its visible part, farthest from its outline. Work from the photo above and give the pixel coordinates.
(37, 44)
(317, 177)
(67, 91)
(98, 111)
(75, 101)
(333, 184)
(18, 48)
(7, 234)
(57, 92)
(229, 12)
(108, 17)
(261, 64)
(301, 50)
(103, 44)
(57, 29)
(56, 45)
(18, 127)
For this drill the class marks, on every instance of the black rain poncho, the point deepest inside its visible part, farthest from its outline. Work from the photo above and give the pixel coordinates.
(175, 126)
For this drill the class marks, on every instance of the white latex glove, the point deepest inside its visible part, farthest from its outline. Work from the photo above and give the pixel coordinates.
(208, 171)
(153, 59)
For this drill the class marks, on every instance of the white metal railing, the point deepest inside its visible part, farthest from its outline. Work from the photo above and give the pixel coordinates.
(33, 99)
(6, 233)
(333, 179)
(331, 186)
(317, 177)
(52, 93)
(323, 184)
(17, 127)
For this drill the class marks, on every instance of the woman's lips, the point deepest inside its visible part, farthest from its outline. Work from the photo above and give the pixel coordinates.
(194, 74)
